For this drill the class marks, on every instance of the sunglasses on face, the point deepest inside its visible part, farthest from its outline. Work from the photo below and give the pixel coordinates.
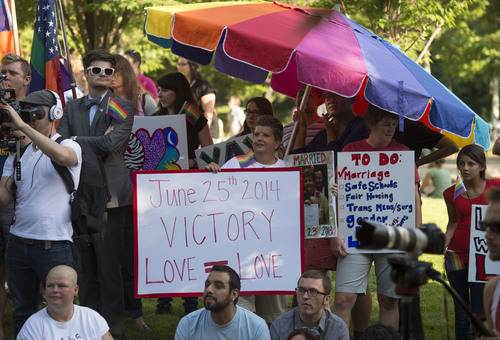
(494, 226)
(96, 70)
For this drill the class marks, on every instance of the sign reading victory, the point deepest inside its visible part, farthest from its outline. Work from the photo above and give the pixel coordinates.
(248, 219)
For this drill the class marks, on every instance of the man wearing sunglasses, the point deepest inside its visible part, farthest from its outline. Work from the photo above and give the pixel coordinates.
(491, 295)
(92, 121)
(313, 291)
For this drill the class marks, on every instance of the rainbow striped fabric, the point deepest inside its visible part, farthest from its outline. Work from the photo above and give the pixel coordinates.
(116, 111)
(191, 112)
(459, 188)
(247, 159)
(453, 261)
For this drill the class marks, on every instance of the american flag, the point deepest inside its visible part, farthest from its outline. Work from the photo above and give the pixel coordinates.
(45, 65)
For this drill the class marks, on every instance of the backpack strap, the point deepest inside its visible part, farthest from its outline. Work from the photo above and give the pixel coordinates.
(65, 174)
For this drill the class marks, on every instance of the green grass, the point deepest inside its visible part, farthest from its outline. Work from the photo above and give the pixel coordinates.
(432, 297)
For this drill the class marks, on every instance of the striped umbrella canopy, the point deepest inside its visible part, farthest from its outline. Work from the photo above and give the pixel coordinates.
(317, 47)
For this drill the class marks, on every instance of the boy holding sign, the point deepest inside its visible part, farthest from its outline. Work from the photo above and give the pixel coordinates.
(353, 269)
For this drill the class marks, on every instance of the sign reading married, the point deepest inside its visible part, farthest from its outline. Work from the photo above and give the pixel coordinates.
(220, 153)
(376, 186)
(481, 267)
(319, 202)
(157, 143)
(186, 222)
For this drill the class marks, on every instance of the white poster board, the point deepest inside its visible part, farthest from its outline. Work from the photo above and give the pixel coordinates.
(158, 143)
(220, 153)
(481, 267)
(187, 221)
(377, 186)
(324, 162)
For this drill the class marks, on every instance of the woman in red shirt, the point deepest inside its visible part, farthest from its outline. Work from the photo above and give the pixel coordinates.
(471, 162)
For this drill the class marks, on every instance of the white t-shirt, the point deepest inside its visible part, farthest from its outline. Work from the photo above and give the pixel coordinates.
(233, 163)
(86, 324)
(42, 205)
(244, 325)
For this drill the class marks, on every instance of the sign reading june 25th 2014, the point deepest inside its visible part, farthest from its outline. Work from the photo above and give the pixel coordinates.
(187, 221)
(376, 186)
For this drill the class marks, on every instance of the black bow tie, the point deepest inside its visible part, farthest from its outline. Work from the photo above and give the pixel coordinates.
(91, 102)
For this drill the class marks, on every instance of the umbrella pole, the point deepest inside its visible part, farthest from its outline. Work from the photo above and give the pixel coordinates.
(296, 125)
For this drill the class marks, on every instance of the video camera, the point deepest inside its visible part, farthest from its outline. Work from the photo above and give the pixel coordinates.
(8, 139)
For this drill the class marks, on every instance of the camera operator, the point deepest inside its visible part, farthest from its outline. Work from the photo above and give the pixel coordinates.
(18, 77)
(491, 296)
(41, 234)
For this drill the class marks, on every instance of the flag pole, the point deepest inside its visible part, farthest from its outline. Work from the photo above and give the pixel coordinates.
(15, 34)
(66, 49)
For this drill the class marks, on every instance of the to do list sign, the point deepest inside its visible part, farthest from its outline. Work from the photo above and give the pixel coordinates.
(376, 186)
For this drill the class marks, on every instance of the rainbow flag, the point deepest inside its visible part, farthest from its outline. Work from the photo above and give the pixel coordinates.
(453, 261)
(459, 188)
(116, 111)
(247, 159)
(191, 112)
(45, 54)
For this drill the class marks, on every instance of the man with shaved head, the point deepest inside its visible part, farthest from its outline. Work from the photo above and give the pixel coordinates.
(62, 319)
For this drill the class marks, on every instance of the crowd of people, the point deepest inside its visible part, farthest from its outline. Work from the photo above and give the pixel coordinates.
(42, 258)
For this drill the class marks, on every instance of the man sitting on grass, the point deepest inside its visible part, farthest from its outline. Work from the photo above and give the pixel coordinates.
(62, 319)
(221, 318)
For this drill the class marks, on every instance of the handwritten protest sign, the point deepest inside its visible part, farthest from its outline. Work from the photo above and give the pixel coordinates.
(185, 222)
(481, 267)
(378, 186)
(158, 143)
(220, 153)
(324, 162)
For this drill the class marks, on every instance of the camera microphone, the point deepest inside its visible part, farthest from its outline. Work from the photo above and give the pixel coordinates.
(428, 238)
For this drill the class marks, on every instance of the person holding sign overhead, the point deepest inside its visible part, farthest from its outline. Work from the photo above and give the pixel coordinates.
(266, 140)
(353, 269)
(459, 198)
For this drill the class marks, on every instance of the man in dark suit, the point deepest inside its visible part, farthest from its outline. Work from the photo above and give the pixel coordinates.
(91, 121)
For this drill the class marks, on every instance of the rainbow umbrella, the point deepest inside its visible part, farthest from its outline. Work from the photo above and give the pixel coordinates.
(317, 47)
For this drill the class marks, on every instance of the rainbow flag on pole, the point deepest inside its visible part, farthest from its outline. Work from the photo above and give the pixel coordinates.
(116, 111)
(191, 112)
(45, 64)
(459, 188)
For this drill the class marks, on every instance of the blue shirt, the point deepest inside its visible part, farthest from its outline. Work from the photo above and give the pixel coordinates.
(244, 325)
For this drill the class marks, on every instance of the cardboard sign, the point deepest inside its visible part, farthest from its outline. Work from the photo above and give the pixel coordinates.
(222, 152)
(323, 161)
(377, 186)
(481, 267)
(248, 219)
(157, 143)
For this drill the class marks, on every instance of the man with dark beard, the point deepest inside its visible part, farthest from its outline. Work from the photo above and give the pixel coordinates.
(221, 318)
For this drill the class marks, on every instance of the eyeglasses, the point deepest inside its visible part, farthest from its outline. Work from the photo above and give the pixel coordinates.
(311, 292)
(494, 226)
(182, 64)
(255, 113)
(96, 70)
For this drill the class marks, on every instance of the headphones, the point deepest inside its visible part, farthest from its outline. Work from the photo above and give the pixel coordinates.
(56, 111)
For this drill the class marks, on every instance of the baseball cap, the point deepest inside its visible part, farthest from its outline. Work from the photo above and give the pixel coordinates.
(43, 97)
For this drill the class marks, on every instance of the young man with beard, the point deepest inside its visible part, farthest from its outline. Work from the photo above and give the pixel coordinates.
(221, 318)
(313, 291)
